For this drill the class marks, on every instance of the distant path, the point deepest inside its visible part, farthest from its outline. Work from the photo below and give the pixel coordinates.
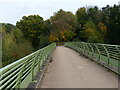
(70, 70)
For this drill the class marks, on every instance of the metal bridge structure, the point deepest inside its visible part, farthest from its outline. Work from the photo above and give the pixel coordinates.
(22, 72)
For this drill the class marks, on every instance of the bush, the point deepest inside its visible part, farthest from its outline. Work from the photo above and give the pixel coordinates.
(14, 47)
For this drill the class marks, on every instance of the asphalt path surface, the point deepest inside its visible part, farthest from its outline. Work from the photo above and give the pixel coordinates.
(69, 69)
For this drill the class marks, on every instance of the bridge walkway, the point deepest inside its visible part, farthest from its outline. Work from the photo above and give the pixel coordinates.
(69, 69)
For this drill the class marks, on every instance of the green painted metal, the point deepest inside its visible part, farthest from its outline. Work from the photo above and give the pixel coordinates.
(106, 54)
(20, 73)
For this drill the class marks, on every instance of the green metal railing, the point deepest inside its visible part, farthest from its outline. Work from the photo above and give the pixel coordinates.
(19, 74)
(107, 55)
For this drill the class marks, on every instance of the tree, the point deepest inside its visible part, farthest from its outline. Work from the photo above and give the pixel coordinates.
(48, 27)
(92, 13)
(112, 21)
(62, 22)
(14, 46)
(102, 29)
(32, 27)
(67, 35)
(91, 33)
(82, 16)
(88, 17)
(8, 27)
(53, 37)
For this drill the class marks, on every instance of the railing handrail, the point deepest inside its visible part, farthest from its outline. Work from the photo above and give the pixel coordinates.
(102, 44)
(107, 54)
(17, 62)
(16, 74)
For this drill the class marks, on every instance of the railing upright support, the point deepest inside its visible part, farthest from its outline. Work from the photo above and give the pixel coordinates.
(39, 59)
(33, 70)
(107, 54)
(20, 75)
(98, 51)
(92, 50)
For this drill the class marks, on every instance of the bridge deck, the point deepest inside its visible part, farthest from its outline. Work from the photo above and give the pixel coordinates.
(71, 70)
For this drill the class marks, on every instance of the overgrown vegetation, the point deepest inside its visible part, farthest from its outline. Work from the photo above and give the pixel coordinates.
(33, 27)
(14, 45)
(99, 25)
(89, 24)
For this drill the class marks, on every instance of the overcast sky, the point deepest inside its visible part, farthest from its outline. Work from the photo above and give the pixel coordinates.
(12, 11)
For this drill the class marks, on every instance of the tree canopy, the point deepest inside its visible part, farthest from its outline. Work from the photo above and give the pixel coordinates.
(32, 27)
(89, 24)
(14, 44)
(64, 25)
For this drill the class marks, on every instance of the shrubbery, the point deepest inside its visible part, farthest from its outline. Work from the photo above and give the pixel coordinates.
(89, 24)
(15, 46)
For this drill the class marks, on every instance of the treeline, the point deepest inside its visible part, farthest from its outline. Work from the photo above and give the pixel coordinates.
(99, 25)
(89, 24)
(14, 45)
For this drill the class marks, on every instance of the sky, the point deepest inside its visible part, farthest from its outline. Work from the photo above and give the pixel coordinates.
(12, 11)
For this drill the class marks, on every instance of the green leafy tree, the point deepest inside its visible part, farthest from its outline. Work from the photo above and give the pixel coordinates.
(15, 46)
(62, 21)
(91, 33)
(32, 27)
(44, 40)
(92, 13)
(8, 27)
(112, 21)
(102, 29)
(82, 15)
(67, 35)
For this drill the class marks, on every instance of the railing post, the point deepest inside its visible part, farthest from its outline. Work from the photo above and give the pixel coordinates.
(92, 50)
(33, 64)
(84, 47)
(42, 58)
(118, 51)
(80, 47)
(20, 75)
(98, 51)
(19, 79)
(118, 60)
(34, 61)
(107, 54)
(87, 48)
(39, 59)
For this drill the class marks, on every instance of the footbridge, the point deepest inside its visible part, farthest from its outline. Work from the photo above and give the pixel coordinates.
(73, 65)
